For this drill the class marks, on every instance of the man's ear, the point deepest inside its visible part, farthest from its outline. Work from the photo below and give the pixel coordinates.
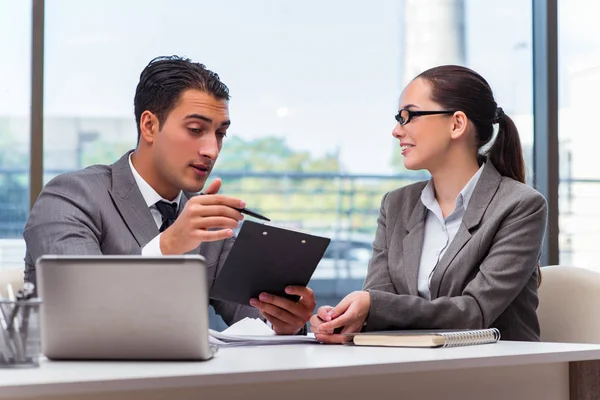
(459, 125)
(148, 127)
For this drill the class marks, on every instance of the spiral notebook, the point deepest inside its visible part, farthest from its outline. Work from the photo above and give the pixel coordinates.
(431, 338)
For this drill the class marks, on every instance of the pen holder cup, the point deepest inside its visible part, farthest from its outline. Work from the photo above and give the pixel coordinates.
(20, 342)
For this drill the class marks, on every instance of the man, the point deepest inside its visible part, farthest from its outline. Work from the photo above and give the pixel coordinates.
(139, 205)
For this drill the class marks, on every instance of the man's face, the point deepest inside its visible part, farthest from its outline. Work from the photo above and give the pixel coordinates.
(186, 147)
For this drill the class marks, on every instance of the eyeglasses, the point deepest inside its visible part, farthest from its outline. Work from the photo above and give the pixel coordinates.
(404, 115)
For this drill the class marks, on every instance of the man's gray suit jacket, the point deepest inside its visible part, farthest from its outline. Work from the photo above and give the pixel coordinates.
(100, 210)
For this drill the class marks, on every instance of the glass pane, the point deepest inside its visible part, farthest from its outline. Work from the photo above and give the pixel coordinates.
(579, 84)
(439, 32)
(15, 81)
(313, 95)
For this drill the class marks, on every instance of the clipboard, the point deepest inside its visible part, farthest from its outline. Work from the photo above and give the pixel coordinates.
(267, 258)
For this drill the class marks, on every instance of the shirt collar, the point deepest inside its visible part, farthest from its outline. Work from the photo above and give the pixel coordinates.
(148, 193)
(463, 198)
(428, 195)
(469, 188)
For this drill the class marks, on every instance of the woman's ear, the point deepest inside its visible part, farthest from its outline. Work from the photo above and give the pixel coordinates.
(148, 126)
(459, 125)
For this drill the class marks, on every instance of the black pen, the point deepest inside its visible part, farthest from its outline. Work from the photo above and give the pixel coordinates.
(253, 214)
(249, 212)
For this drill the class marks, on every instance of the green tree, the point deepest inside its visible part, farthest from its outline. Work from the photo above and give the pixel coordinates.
(271, 154)
(287, 200)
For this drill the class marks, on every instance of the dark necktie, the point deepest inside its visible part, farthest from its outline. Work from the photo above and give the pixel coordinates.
(168, 212)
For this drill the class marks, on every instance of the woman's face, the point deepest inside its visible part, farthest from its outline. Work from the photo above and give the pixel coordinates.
(425, 139)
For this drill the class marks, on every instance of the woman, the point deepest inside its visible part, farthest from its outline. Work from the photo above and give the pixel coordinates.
(461, 250)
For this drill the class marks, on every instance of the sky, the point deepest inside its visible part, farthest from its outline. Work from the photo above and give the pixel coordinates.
(326, 75)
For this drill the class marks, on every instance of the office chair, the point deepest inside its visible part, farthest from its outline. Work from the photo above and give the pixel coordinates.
(13, 276)
(569, 304)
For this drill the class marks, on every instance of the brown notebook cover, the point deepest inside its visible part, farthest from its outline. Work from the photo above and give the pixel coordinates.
(429, 338)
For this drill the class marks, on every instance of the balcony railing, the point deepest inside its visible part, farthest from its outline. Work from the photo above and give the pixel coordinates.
(342, 206)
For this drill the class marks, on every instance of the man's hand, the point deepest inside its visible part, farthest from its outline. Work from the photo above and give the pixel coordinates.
(200, 214)
(349, 315)
(287, 316)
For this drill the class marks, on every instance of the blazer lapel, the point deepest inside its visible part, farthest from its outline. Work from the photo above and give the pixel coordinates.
(130, 203)
(412, 245)
(462, 237)
(486, 188)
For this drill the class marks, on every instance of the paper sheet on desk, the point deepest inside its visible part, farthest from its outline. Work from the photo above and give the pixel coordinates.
(254, 332)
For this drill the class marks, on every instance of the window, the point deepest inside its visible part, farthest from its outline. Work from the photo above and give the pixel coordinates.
(15, 45)
(579, 84)
(314, 86)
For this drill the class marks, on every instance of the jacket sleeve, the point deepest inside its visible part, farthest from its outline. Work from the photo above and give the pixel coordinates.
(63, 221)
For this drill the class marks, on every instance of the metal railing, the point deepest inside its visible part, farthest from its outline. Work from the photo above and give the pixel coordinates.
(342, 205)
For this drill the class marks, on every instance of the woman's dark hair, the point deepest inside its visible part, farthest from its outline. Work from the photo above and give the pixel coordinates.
(458, 88)
(164, 80)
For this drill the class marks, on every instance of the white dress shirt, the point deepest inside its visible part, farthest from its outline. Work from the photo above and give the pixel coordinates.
(151, 198)
(440, 231)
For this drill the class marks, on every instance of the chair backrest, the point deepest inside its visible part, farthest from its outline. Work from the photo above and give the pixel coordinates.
(14, 276)
(569, 304)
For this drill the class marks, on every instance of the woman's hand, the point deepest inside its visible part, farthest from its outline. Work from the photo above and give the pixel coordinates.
(349, 316)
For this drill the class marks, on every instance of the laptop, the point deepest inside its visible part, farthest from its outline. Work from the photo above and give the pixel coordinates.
(124, 307)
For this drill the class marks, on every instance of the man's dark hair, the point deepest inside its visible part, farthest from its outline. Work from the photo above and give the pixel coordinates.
(163, 81)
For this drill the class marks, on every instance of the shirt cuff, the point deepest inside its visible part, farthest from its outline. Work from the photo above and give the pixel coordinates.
(152, 249)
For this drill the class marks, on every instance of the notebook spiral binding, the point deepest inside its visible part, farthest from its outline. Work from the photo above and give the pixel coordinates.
(480, 336)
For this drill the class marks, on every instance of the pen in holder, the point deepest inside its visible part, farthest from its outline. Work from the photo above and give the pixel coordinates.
(19, 329)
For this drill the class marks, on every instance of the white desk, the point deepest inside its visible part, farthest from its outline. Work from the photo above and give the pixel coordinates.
(506, 370)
